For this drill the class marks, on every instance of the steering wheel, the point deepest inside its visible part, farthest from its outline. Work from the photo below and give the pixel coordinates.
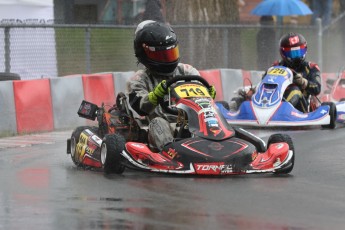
(175, 79)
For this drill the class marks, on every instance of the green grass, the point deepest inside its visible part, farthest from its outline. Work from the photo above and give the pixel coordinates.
(111, 50)
(248, 48)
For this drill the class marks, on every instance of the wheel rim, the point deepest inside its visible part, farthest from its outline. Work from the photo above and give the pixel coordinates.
(73, 144)
(103, 153)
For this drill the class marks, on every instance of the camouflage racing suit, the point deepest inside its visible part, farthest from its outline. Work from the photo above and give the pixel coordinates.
(161, 126)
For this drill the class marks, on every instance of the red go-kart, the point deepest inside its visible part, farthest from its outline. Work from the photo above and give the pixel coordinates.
(336, 89)
(204, 143)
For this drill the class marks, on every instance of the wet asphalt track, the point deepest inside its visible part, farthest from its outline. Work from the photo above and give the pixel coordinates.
(42, 189)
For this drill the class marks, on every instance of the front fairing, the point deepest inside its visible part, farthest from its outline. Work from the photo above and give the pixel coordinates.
(204, 119)
(270, 91)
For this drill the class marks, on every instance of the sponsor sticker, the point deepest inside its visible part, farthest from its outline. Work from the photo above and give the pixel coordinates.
(97, 139)
(213, 168)
(89, 131)
(137, 145)
(171, 153)
(293, 113)
(86, 109)
(254, 156)
(83, 138)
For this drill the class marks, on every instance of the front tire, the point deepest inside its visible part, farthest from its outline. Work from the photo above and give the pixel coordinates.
(332, 114)
(112, 146)
(276, 138)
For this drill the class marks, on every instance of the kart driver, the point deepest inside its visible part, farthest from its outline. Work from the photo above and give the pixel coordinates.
(306, 80)
(156, 47)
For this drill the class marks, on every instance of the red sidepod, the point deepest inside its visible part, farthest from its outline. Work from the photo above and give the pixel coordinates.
(141, 153)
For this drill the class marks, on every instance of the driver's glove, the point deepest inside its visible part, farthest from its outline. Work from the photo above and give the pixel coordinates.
(299, 80)
(212, 92)
(158, 92)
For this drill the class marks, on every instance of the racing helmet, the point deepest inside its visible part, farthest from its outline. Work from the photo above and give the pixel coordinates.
(156, 47)
(293, 49)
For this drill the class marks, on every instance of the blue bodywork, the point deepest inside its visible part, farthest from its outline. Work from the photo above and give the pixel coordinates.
(267, 107)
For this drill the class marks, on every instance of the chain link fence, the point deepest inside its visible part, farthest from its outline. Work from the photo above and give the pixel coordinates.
(42, 50)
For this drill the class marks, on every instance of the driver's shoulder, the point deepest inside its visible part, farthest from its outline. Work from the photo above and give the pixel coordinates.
(186, 69)
(138, 75)
(313, 65)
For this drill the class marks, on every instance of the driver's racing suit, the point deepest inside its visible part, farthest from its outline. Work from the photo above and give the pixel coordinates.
(161, 126)
(295, 94)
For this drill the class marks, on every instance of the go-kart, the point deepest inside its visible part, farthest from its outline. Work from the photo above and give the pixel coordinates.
(204, 143)
(268, 107)
(336, 93)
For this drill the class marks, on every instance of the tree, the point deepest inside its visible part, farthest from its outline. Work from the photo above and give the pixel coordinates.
(202, 11)
(204, 47)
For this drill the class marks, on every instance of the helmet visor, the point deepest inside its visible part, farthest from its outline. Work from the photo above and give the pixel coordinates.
(294, 52)
(162, 54)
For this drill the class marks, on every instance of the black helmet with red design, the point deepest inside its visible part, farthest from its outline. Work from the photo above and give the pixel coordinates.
(293, 49)
(156, 47)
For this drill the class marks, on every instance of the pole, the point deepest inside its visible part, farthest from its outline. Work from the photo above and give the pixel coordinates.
(319, 41)
(88, 49)
(7, 50)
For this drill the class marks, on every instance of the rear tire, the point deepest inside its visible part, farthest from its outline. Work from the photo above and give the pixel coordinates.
(276, 138)
(332, 114)
(111, 159)
(75, 139)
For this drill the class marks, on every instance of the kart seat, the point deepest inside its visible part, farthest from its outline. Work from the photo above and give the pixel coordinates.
(123, 100)
(256, 141)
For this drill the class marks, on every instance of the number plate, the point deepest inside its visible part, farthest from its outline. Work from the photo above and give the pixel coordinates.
(191, 90)
(278, 71)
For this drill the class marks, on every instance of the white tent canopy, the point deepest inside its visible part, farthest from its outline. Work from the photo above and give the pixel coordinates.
(27, 2)
(24, 43)
(26, 9)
